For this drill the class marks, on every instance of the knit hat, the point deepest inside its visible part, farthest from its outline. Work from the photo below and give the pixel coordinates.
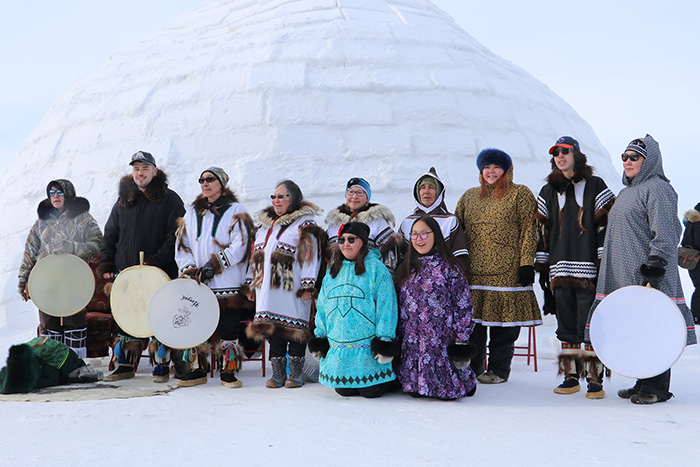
(493, 156)
(142, 156)
(362, 183)
(358, 229)
(565, 142)
(638, 146)
(218, 173)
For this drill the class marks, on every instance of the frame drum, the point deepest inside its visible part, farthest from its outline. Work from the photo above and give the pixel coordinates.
(183, 313)
(61, 285)
(132, 289)
(638, 332)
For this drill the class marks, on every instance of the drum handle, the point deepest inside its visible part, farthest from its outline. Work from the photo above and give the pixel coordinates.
(141, 255)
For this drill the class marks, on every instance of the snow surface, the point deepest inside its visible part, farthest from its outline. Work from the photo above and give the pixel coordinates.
(521, 422)
(314, 90)
(319, 91)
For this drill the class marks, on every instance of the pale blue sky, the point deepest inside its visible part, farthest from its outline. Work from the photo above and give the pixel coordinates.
(627, 67)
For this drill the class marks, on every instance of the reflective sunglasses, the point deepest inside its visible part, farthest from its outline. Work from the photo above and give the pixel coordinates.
(206, 179)
(632, 157)
(563, 151)
(351, 240)
(55, 193)
(279, 196)
(422, 235)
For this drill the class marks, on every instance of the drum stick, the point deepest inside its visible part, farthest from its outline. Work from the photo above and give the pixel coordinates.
(141, 255)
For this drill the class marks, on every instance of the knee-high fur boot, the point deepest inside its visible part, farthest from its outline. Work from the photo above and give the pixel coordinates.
(159, 356)
(192, 365)
(127, 351)
(569, 364)
(594, 371)
(230, 361)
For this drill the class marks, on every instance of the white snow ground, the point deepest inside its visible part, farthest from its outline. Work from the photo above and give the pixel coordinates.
(519, 423)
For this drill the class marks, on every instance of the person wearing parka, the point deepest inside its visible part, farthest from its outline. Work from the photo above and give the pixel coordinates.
(281, 279)
(144, 219)
(572, 213)
(356, 319)
(429, 194)
(435, 318)
(499, 224)
(641, 247)
(64, 226)
(358, 208)
(214, 242)
(691, 238)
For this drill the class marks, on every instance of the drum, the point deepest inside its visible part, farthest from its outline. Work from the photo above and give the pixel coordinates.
(132, 289)
(183, 313)
(638, 332)
(61, 285)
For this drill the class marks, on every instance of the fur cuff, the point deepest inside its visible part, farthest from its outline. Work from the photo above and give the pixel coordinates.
(461, 352)
(105, 268)
(214, 260)
(303, 290)
(319, 344)
(386, 348)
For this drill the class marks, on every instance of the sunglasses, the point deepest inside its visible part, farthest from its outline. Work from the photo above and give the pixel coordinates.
(55, 193)
(351, 240)
(206, 179)
(563, 151)
(279, 196)
(632, 157)
(422, 235)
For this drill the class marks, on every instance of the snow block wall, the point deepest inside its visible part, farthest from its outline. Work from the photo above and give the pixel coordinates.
(313, 90)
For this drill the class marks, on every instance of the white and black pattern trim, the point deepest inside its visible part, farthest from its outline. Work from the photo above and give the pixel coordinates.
(603, 198)
(258, 247)
(542, 257)
(573, 269)
(307, 222)
(223, 259)
(382, 236)
(308, 282)
(286, 248)
(600, 252)
(461, 252)
(226, 292)
(187, 266)
(542, 206)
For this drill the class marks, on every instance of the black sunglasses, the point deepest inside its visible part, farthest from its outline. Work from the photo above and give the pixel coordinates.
(632, 157)
(563, 151)
(207, 179)
(279, 196)
(350, 240)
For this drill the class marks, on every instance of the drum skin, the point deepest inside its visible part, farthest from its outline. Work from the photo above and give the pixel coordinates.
(61, 285)
(183, 313)
(638, 332)
(131, 292)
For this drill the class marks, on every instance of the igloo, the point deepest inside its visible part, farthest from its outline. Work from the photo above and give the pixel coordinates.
(313, 90)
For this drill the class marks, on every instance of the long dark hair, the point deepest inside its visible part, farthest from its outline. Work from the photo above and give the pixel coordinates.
(411, 264)
(295, 194)
(337, 259)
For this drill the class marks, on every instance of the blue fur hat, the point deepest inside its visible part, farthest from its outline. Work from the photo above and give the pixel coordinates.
(493, 156)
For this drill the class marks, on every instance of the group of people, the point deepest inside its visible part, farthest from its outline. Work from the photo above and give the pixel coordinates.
(382, 309)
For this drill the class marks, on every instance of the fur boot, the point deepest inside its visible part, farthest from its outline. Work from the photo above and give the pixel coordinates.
(229, 360)
(594, 370)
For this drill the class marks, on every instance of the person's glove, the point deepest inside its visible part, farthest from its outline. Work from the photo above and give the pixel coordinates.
(549, 307)
(23, 291)
(318, 346)
(206, 272)
(526, 275)
(653, 270)
(384, 350)
(461, 354)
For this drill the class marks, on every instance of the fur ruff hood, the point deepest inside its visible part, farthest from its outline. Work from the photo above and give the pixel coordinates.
(73, 209)
(201, 203)
(154, 192)
(692, 216)
(559, 181)
(372, 212)
(267, 216)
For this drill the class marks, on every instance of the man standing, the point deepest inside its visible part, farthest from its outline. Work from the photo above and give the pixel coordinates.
(429, 193)
(144, 218)
(572, 214)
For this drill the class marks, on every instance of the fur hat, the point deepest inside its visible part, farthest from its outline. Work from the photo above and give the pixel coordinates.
(358, 229)
(362, 183)
(22, 371)
(493, 156)
(220, 174)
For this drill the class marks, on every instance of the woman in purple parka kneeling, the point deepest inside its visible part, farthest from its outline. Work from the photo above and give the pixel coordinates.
(435, 318)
